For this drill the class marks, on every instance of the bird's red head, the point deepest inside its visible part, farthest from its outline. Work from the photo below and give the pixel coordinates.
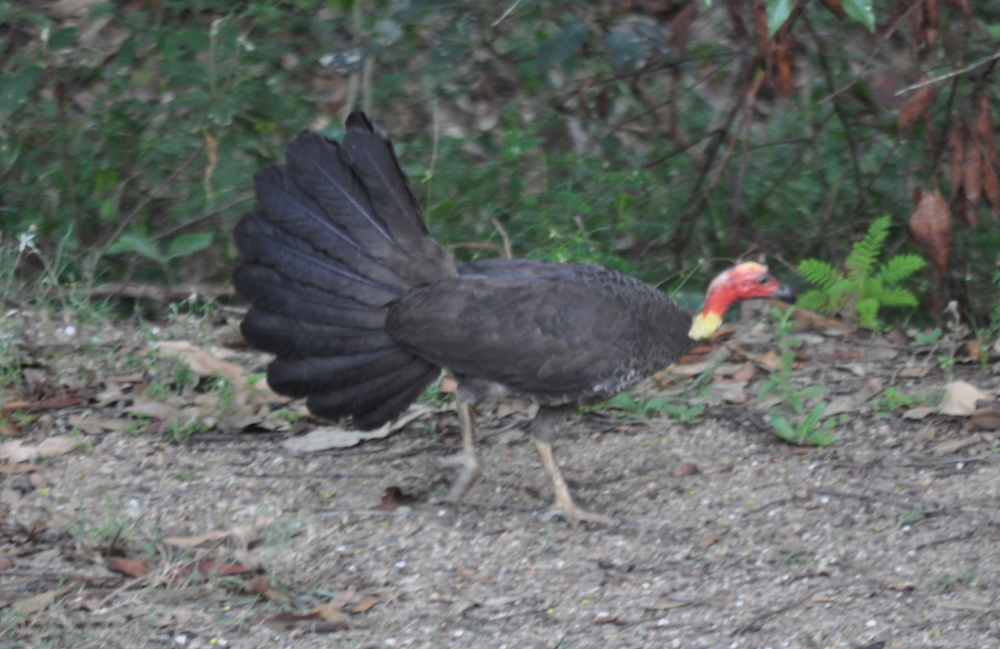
(742, 282)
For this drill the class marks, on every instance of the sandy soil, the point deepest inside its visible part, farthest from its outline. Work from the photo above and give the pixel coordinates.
(730, 537)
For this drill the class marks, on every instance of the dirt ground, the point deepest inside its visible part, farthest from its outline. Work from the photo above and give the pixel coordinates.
(205, 529)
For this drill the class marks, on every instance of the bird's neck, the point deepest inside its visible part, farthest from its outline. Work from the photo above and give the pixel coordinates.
(716, 303)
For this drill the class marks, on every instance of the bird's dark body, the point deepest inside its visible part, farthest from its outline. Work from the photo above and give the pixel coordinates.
(362, 307)
(555, 333)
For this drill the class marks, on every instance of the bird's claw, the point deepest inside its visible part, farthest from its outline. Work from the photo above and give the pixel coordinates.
(571, 513)
(468, 471)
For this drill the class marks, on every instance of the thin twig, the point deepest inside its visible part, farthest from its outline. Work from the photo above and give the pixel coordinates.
(508, 251)
(197, 219)
(871, 57)
(955, 73)
(506, 13)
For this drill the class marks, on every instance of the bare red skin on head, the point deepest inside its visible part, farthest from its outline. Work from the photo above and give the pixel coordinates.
(745, 281)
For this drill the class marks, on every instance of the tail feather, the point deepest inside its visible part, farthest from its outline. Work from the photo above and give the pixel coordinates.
(375, 402)
(337, 238)
(290, 338)
(272, 293)
(306, 377)
(292, 210)
(270, 246)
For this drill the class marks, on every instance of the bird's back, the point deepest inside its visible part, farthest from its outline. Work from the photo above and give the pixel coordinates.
(556, 333)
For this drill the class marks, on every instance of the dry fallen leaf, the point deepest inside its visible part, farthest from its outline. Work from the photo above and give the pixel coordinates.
(310, 622)
(960, 398)
(930, 227)
(16, 451)
(243, 532)
(365, 604)
(261, 586)
(331, 612)
(39, 602)
(982, 128)
(686, 468)
(130, 567)
(984, 419)
(919, 412)
(394, 498)
(913, 372)
(954, 445)
(917, 106)
(203, 363)
(327, 437)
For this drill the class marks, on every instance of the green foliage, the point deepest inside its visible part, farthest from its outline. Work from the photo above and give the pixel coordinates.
(788, 420)
(679, 409)
(132, 131)
(892, 400)
(862, 288)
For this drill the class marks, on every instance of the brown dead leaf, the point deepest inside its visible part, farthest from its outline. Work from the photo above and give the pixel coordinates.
(745, 373)
(913, 372)
(982, 128)
(930, 227)
(243, 532)
(681, 29)
(49, 403)
(769, 361)
(959, 399)
(261, 586)
(687, 371)
(955, 445)
(18, 468)
(365, 604)
(972, 178)
(16, 451)
(309, 622)
(685, 468)
(956, 156)
(667, 605)
(709, 541)
(203, 363)
(39, 602)
(130, 567)
(210, 569)
(917, 106)
(919, 412)
(331, 612)
(984, 419)
(393, 498)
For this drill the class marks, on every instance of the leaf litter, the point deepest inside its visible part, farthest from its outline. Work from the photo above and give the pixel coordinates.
(161, 536)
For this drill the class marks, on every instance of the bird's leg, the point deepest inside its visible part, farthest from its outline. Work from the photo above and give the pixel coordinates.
(564, 505)
(466, 459)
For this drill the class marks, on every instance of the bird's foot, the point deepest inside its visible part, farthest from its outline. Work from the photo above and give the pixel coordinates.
(571, 513)
(468, 472)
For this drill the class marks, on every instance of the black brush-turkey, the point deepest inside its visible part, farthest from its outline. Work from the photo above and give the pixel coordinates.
(362, 307)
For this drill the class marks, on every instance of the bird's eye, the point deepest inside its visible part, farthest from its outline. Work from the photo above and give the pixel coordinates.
(763, 279)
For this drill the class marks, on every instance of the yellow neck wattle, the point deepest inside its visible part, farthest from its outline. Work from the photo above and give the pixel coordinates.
(704, 325)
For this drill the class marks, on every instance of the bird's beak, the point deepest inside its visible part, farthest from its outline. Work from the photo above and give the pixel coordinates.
(784, 294)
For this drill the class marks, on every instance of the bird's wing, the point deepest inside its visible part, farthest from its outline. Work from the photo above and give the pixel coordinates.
(540, 331)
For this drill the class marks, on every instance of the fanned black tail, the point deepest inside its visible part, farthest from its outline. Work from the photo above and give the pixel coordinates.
(337, 237)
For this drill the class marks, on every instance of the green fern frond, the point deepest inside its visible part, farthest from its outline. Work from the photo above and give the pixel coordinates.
(896, 296)
(865, 252)
(900, 267)
(813, 301)
(868, 312)
(819, 272)
(838, 291)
